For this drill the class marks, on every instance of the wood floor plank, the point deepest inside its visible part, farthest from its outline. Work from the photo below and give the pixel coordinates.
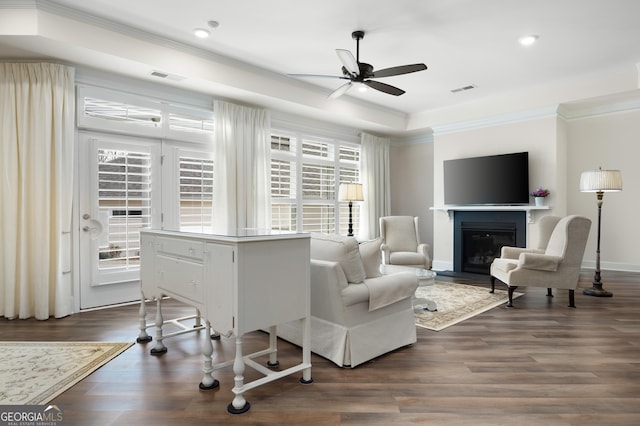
(538, 363)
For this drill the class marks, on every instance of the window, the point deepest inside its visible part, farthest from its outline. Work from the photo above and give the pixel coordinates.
(305, 175)
(113, 111)
(185, 135)
(121, 112)
(196, 194)
(124, 200)
(181, 123)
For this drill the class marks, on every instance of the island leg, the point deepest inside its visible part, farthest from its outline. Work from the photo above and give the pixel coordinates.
(273, 347)
(198, 319)
(208, 382)
(159, 348)
(306, 351)
(239, 405)
(143, 337)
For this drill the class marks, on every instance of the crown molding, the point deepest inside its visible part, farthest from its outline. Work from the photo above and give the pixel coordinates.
(496, 120)
(592, 109)
(414, 139)
(567, 111)
(19, 4)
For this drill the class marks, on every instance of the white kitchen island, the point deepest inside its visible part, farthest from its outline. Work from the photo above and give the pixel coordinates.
(238, 283)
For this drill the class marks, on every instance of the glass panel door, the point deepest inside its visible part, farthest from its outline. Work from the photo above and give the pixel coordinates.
(117, 199)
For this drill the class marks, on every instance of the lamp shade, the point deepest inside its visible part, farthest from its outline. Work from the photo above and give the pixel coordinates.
(601, 181)
(350, 192)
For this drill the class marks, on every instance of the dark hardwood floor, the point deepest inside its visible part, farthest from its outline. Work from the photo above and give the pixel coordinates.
(540, 363)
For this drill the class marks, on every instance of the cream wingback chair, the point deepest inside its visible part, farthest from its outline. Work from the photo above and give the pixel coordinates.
(401, 242)
(557, 265)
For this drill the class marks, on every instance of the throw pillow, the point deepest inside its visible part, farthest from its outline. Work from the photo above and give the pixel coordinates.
(371, 257)
(343, 250)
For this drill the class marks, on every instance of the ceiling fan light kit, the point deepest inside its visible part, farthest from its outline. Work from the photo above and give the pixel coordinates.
(201, 33)
(362, 72)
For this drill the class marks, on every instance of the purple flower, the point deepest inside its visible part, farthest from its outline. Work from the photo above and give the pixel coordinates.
(539, 192)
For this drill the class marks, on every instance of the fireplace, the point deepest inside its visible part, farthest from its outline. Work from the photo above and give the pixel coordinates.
(478, 237)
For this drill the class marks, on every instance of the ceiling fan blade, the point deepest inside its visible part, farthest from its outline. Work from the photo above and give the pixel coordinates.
(340, 91)
(342, 77)
(404, 69)
(383, 87)
(348, 61)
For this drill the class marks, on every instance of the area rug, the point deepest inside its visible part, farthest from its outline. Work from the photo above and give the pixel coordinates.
(456, 303)
(33, 373)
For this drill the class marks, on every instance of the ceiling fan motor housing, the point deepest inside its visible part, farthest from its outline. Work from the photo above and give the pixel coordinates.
(366, 71)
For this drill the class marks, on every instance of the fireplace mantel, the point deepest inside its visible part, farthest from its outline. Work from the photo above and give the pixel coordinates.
(449, 209)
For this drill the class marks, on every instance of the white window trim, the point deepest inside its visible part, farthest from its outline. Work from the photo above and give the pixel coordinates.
(162, 131)
(300, 159)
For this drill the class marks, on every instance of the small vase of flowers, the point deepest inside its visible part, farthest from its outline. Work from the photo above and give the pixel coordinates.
(539, 195)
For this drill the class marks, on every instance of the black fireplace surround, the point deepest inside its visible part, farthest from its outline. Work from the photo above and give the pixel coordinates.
(478, 237)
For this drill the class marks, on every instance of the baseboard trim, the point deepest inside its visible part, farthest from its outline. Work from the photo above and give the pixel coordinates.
(443, 265)
(611, 266)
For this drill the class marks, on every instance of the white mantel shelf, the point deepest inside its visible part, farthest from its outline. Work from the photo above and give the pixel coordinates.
(449, 209)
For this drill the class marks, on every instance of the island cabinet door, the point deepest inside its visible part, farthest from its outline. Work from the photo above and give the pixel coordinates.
(220, 282)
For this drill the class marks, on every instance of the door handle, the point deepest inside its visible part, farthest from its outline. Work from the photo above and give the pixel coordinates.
(95, 229)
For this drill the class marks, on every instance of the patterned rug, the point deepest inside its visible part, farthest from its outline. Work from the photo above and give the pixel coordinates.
(33, 373)
(456, 303)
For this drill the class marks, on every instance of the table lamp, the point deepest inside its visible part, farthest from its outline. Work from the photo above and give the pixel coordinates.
(350, 192)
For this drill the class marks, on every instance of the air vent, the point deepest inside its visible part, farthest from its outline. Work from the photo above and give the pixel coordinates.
(160, 74)
(464, 88)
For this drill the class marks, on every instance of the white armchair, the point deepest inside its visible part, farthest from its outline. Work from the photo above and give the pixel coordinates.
(401, 242)
(554, 263)
(356, 313)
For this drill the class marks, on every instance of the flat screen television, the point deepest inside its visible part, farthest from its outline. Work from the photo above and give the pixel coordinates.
(490, 180)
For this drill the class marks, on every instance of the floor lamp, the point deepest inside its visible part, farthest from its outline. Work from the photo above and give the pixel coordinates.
(600, 181)
(350, 192)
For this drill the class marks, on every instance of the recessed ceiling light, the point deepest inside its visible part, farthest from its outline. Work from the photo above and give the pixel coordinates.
(201, 33)
(528, 40)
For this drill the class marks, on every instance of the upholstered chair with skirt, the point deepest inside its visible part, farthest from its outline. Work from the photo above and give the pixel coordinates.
(357, 313)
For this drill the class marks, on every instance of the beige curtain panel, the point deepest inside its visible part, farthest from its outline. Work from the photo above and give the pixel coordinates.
(36, 189)
(376, 184)
(242, 168)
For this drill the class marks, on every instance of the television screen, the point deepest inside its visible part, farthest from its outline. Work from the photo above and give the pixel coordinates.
(496, 180)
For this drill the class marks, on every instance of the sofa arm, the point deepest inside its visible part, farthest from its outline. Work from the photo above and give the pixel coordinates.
(327, 284)
(423, 248)
(514, 252)
(388, 289)
(539, 261)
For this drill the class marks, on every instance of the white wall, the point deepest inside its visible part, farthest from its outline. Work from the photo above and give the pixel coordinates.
(611, 141)
(538, 137)
(411, 168)
(559, 150)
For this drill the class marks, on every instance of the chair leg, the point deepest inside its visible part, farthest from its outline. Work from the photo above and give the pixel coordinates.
(493, 284)
(572, 303)
(549, 292)
(511, 290)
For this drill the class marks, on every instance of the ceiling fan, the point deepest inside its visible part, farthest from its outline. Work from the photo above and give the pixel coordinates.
(361, 72)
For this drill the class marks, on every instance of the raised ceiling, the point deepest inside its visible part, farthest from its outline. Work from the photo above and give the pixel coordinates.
(586, 49)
